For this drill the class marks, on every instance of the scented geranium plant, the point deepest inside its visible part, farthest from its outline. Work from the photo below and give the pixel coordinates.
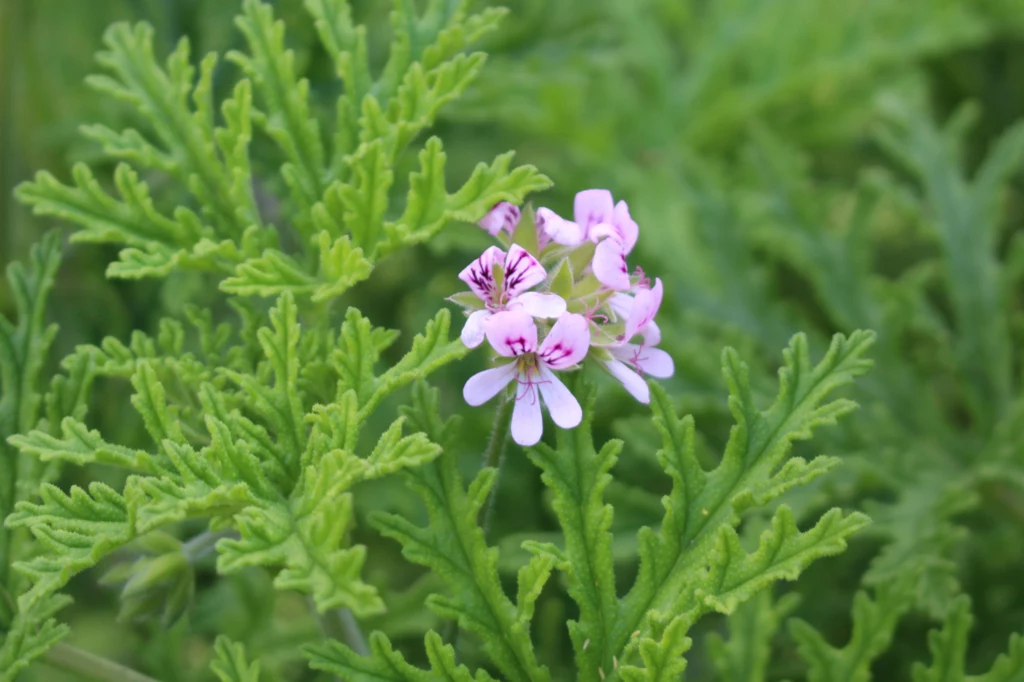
(280, 434)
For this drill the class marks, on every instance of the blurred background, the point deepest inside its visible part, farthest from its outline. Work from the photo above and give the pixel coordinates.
(810, 166)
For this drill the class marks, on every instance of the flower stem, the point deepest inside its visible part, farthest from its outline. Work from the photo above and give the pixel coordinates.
(90, 666)
(199, 546)
(340, 624)
(494, 456)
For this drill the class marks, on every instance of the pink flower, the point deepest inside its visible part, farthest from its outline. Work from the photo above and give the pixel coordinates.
(629, 361)
(520, 271)
(503, 216)
(600, 220)
(513, 334)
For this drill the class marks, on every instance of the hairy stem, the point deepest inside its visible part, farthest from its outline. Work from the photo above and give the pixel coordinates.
(341, 624)
(90, 666)
(495, 454)
(204, 543)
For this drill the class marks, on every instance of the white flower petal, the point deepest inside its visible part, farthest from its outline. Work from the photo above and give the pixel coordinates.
(645, 307)
(557, 228)
(511, 333)
(527, 421)
(479, 274)
(625, 226)
(522, 271)
(633, 383)
(538, 304)
(565, 410)
(473, 333)
(504, 216)
(484, 385)
(610, 265)
(567, 343)
(653, 361)
(651, 333)
(592, 207)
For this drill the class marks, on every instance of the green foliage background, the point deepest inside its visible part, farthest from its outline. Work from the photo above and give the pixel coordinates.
(813, 166)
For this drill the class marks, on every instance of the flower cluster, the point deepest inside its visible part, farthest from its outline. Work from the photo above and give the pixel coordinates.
(589, 306)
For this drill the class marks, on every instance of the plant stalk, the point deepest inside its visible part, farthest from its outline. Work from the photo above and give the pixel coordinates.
(90, 666)
(341, 624)
(494, 456)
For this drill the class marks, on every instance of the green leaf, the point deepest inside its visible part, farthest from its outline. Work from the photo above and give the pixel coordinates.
(962, 211)
(746, 654)
(230, 663)
(578, 476)
(453, 546)
(873, 625)
(430, 350)
(24, 346)
(561, 281)
(384, 664)
(79, 445)
(188, 148)
(31, 635)
(701, 510)
(948, 646)
(286, 115)
(76, 529)
(341, 267)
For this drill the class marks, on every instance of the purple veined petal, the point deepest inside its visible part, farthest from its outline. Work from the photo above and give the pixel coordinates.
(562, 405)
(527, 421)
(473, 333)
(653, 361)
(626, 226)
(504, 216)
(512, 333)
(479, 274)
(484, 385)
(633, 383)
(591, 207)
(567, 343)
(610, 265)
(557, 228)
(538, 305)
(651, 333)
(645, 307)
(522, 271)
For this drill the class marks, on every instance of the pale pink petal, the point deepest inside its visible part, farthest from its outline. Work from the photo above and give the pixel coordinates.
(504, 216)
(558, 229)
(527, 422)
(473, 333)
(567, 343)
(565, 410)
(484, 385)
(592, 207)
(651, 333)
(621, 304)
(645, 307)
(479, 274)
(637, 387)
(538, 304)
(512, 333)
(653, 361)
(626, 226)
(602, 230)
(522, 271)
(610, 265)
